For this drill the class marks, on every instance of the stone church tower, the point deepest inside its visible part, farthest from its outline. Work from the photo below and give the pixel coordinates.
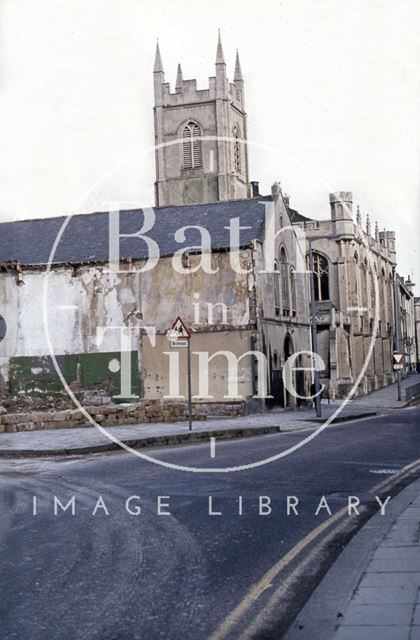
(200, 135)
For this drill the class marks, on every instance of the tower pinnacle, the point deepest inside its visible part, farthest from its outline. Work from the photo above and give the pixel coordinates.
(158, 68)
(238, 71)
(220, 59)
(178, 83)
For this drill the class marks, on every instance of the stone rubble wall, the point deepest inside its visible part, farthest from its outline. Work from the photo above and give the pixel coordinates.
(143, 412)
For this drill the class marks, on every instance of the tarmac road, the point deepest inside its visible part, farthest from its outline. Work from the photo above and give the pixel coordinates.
(107, 574)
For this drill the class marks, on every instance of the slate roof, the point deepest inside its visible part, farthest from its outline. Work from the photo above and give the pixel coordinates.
(86, 236)
(295, 216)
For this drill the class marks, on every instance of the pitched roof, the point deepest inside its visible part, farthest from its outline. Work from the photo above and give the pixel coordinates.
(295, 216)
(85, 237)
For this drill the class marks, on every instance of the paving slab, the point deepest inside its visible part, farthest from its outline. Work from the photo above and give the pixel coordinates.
(372, 591)
(377, 615)
(372, 633)
(405, 593)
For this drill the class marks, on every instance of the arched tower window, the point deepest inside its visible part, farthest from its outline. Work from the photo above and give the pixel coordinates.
(321, 277)
(191, 145)
(237, 148)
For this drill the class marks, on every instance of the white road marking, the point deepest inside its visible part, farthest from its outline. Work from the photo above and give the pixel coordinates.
(212, 447)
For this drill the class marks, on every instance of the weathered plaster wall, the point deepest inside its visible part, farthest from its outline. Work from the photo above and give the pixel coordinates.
(80, 302)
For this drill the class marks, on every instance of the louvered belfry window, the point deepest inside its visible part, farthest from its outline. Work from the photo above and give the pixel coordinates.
(191, 146)
(237, 149)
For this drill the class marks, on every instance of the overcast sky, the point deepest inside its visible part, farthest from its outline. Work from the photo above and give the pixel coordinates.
(332, 93)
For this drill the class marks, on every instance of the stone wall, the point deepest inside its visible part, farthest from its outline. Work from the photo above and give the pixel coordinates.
(143, 412)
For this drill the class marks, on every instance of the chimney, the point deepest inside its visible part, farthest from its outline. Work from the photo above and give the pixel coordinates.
(255, 188)
(275, 190)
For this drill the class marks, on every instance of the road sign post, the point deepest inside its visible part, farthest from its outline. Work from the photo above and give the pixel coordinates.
(181, 337)
(189, 386)
(398, 366)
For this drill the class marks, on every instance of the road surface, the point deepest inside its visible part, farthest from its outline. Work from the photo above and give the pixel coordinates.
(160, 565)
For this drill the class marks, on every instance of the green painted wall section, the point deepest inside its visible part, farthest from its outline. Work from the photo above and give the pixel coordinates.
(37, 376)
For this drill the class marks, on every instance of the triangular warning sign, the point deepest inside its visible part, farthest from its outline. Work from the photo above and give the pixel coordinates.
(398, 357)
(179, 331)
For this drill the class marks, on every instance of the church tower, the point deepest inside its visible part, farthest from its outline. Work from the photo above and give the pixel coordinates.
(191, 169)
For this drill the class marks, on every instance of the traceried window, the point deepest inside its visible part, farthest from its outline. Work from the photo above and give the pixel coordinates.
(191, 145)
(321, 278)
(237, 148)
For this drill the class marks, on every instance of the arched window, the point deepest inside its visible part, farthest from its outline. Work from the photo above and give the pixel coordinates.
(365, 283)
(191, 145)
(284, 284)
(357, 282)
(276, 285)
(237, 148)
(373, 280)
(293, 288)
(321, 278)
(382, 295)
(390, 302)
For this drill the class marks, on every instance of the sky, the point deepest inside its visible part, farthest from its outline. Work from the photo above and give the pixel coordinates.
(332, 93)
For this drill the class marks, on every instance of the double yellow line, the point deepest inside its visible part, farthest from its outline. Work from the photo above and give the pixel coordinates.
(267, 580)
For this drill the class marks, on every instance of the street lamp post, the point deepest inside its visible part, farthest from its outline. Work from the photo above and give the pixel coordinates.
(397, 329)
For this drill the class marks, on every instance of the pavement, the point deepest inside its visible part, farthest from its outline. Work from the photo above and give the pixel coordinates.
(372, 592)
(92, 440)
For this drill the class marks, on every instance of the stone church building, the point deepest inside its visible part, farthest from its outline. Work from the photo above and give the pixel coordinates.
(232, 263)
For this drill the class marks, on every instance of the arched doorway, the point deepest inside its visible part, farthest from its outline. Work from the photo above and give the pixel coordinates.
(276, 386)
(288, 350)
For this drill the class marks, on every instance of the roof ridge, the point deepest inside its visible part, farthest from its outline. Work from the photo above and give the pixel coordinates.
(169, 206)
